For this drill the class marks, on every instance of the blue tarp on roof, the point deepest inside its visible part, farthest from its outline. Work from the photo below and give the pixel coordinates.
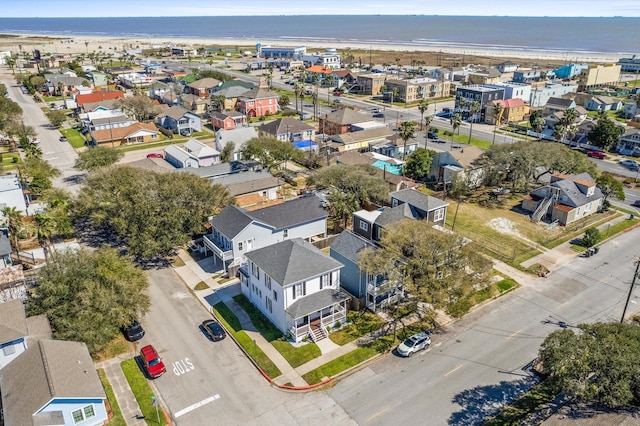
(306, 145)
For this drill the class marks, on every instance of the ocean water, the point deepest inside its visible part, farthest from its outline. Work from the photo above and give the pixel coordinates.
(580, 35)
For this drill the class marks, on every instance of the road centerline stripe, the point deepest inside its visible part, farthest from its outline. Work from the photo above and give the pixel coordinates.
(379, 413)
(454, 370)
(196, 405)
(513, 334)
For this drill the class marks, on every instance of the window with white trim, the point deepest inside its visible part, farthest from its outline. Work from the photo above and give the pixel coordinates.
(275, 295)
(438, 215)
(364, 225)
(83, 414)
(285, 233)
(268, 304)
(300, 290)
(240, 246)
(267, 282)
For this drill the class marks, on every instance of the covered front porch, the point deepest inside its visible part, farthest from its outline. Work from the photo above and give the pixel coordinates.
(311, 315)
(381, 294)
(220, 247)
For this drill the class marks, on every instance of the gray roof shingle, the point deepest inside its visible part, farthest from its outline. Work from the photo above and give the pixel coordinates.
(46, 370)
(303, 209)
(418, 199)
(13, 320)
(292, 261)
(315, 302)
(350, 245)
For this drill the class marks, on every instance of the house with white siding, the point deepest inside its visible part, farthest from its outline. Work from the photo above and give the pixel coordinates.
(236, 231)
(297, 287)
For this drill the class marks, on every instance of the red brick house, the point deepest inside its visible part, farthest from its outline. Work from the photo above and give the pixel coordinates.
(259, 102)
(228, 120)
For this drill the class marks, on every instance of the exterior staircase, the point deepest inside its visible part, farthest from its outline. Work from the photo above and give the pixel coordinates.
(318, 333)
(541, 210)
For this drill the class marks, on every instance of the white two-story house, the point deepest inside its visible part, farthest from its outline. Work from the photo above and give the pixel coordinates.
(297, 287)
(236, 231)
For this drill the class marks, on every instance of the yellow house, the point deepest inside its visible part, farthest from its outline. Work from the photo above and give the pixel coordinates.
(514, 111)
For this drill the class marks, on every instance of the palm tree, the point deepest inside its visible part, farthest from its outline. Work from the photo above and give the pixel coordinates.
(462, 104)
(13, 217)
(455, 121)
(218, 102)
(11, 61)
(569, 117)
(474, 108)
(314, 99)
(427, 122)
(32, 151)
(422, 107)
(406, 131)
(297, 90)
(559, 131)
(497, 118)
(538, 124)
(46, 227)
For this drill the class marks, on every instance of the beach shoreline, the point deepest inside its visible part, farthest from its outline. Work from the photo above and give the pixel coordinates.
(78, 44)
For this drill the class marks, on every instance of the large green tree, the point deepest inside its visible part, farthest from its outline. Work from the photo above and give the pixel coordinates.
(433, 266)
(595, 363)
(150, 212)
(270, 152)
(418, 164)
(37, 174)
(606, 133)
(522, 163)
(56, 117)
(363, 182)
(98, 157)
(139, 107)
(610, 186)
(88, 295)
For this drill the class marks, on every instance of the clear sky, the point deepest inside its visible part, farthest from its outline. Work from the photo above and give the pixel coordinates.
(93, 8)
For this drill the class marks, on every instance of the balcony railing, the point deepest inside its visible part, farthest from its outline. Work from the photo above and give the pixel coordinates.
(338, 314)
(215, 246)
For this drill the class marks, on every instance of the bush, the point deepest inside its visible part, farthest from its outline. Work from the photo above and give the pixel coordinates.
(591, 237)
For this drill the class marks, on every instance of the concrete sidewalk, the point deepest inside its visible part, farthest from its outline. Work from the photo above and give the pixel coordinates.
(126, 400)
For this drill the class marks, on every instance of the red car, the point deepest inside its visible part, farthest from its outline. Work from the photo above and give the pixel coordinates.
(151, 361)
(155, 155)
(597, 154)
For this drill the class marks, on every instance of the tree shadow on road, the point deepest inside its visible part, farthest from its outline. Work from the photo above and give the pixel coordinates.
(482, 402)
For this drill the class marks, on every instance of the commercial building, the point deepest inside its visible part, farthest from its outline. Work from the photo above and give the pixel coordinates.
(599, 75)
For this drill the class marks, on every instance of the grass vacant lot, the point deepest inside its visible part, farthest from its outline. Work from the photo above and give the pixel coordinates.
(231, 323)
(142, 391)
(10, 160)
(76, 139)
(296, 356)
(117, 419)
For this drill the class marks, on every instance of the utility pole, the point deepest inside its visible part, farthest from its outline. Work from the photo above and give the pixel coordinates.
(635, 275)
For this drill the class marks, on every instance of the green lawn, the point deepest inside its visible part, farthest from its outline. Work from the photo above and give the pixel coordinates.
(296, 356)
(142, 391)
(359, 324)
(10, 160)
(117, 419)
(76, 139)
(231, 323)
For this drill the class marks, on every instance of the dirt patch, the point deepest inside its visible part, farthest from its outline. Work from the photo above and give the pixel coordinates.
(505, 226)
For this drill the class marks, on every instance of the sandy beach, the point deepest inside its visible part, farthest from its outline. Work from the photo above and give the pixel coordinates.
(72, 44)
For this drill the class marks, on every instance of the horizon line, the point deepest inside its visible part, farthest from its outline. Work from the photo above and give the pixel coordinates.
(325, 14)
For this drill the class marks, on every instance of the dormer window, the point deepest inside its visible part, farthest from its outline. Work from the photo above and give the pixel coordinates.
(364, 225)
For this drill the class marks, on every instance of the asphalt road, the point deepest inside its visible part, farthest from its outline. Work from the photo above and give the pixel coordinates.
(60, 155)
(479, 364)
(214, 382)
